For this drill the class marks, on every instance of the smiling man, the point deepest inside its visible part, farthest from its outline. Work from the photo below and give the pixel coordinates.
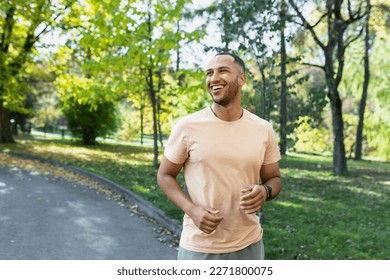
(230, 159)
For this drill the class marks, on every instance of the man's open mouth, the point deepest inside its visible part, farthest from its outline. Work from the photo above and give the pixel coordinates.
(217, 87)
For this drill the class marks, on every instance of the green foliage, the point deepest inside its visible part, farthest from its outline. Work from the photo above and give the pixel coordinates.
(182, 96)
(46, 116)
(377, 115)
(23, 24)
(130, 123)
(350, 124)
(118, 50)
(311, 95)
(89, 123)
(88, 105)
(309, 138)
(378, 136)
(129, 43)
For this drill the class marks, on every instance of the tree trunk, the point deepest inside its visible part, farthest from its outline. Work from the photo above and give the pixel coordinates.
(88, 136)
(153, 100)
(178, 49)
(5, 128)
(263, 94)
(159, 122)
(152, 92)
(283, 78)
(339, 158)
(363, 100)
(9, 21)
(142, 122)
(155, 130)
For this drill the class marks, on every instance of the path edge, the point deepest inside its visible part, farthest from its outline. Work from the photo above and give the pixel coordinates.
(144, 206)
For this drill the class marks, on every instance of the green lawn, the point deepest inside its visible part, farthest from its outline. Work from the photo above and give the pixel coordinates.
(317, 215)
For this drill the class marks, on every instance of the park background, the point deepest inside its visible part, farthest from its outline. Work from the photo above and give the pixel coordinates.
(99, 84)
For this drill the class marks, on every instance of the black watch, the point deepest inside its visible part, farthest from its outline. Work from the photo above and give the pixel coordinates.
(269, 191)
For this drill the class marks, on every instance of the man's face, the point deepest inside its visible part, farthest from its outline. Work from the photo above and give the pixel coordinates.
(224, 79)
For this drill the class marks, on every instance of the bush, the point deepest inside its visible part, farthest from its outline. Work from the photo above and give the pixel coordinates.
(89, 106)
(88, 123)
(310, 139)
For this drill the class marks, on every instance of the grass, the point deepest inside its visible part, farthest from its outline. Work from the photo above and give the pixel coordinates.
(317, 215)
(322, 216)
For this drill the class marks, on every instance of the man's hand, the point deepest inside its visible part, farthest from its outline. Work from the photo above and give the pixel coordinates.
(252, 198)
(206, 219)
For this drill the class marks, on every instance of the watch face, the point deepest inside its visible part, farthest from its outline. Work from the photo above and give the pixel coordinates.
(269, 188)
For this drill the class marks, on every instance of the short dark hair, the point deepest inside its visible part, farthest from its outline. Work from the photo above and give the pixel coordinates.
(237, 59)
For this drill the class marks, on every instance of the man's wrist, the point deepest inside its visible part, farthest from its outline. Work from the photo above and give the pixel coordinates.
(268, 190)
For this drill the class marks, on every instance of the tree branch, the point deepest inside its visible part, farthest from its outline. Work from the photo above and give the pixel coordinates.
(7, 29)
(313, 65)
(68, 4)
(321, 18)
(337, 10)
(298, 23)
(355, 16)
(350, 9)
(31, 39)
(307, 25)
(347, 43)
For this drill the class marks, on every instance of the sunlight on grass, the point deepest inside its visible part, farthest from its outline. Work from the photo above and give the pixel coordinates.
(140, 189)
(309, 157)
(299, 173)
(364, 190)
(70, 152)
(311, 199)
(385, 183)
(288, 204)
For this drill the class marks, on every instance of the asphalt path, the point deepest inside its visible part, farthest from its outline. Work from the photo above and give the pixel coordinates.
(45, 218)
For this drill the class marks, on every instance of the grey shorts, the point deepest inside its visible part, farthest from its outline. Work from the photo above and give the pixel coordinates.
(252, 252)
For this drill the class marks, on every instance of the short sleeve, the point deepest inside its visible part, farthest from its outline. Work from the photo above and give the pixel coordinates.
(272, 153)
(176, 149)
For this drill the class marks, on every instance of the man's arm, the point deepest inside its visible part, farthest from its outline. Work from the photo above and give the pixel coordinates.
(206, 219)
(254, 196)
(270, 175)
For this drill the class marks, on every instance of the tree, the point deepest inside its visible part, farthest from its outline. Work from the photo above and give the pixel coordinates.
(154, 36)
(337, 18)
(254, 28)
(363, 100)
(88, 105)
(22, 26)
(123, 50)
(88, 89)
(283, 79)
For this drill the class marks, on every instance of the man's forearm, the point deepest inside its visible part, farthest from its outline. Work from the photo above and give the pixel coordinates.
(276, 184)
(174, 192)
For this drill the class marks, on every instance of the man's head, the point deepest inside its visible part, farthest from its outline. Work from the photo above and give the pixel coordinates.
(225, 76)
(236, 58)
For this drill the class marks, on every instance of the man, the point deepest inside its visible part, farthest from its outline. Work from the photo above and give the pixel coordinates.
(230, 159)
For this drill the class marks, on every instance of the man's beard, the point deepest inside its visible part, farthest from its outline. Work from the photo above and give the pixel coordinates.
(232, 92)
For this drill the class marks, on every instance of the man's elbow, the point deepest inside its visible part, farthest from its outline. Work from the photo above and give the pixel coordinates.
(160, 177)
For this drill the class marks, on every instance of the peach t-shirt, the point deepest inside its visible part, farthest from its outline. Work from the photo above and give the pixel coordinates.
(220, 158)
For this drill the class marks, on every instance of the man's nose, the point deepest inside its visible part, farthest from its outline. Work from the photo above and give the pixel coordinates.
(214, 77)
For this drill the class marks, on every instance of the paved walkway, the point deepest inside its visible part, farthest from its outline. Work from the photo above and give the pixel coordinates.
(46, 218)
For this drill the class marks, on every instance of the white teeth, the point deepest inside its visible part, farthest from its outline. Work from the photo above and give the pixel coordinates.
(217, 87)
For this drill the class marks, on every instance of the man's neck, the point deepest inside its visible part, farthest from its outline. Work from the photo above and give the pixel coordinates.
(227, 113)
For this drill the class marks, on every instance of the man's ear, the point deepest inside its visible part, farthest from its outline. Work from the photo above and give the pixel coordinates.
(242, 80)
